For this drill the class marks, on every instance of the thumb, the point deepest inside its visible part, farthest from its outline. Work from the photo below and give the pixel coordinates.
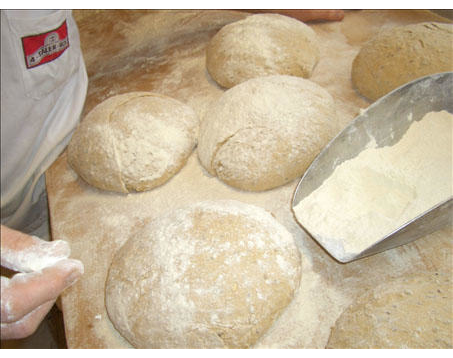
(24, 292)
(25, 253)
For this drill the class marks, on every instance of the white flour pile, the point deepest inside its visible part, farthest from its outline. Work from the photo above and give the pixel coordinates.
(374, 193)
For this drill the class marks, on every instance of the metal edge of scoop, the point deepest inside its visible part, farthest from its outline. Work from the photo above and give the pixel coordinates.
(385, 121)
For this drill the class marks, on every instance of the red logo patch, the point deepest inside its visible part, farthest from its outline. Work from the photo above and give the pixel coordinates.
(46, 47)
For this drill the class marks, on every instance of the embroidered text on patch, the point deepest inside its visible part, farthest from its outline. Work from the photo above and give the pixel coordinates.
(46, 47)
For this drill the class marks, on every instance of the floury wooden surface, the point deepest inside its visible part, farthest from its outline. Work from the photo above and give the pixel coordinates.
(163, 51)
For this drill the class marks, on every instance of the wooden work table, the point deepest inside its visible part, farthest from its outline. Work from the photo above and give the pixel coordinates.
(163, 51)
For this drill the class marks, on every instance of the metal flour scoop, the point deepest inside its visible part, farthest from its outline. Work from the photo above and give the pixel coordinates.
(386, 120)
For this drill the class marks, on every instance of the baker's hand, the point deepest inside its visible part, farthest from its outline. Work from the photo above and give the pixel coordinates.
(307, 15)
(45, 271)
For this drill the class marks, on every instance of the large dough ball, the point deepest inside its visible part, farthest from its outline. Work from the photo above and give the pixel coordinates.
(413, 312)
(210, 275)
(261, 45)
(266, 131)
(133, 142)
(401, 54)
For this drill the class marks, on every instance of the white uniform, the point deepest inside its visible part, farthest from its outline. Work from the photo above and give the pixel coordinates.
(43, 90)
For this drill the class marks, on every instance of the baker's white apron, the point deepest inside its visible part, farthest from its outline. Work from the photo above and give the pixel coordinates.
(43, 90)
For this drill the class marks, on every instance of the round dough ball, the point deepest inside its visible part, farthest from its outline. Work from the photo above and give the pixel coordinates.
(266, 131)
(402, 54)
(210, 275)
(413, 313)
(261, 45)
(133, 142)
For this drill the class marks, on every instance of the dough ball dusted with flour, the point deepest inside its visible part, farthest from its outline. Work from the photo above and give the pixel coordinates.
(401, 54)
(261, 45)
(214, 274)
(265, 132)
(411, 312)
(133, 142)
